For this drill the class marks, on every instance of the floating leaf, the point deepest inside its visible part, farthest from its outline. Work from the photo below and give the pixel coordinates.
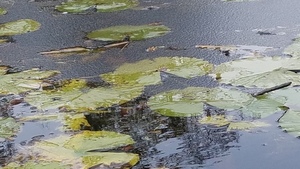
(189, 102)
(147, 72)
(261, 72)
(19, 27)
(76, 95)
(97, 140)
(75, 121)
(221, 120)
(38, 165)
(23, 81)
(2, 11)
(293, 49)
(238, 50)
(117, 33)
(81, 6)
(8, 127)
(288, 96)
(290, 122)
(61, 149)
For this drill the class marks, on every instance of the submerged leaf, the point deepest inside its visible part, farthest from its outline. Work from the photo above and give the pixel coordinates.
(19, 27)
(2, 11)
(189, 102)
(23, 81)
(147, 72)
(8, 127)
(81, 6)
(261, 72)
(117, 33)
(76, 95)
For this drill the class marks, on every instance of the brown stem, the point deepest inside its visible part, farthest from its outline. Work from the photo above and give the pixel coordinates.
(267, 90)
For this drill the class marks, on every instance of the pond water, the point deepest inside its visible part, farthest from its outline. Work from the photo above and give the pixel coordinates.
(171, 142)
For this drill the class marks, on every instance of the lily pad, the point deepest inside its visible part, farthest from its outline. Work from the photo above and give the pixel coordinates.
(118, 33)
(189, 102)
(97, 140)
(2, 11)
(288, 96)
(290, 122)
(23, 81)
(38, 165)
(81, 6)
(8, 127)
(76, 95)
(293, 49)
(75, 122)
(260, 72)
(221, 120)
(57, 149)
(19, 27)
(147, 72)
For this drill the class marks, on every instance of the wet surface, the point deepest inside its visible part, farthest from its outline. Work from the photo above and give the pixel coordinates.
(160, 141)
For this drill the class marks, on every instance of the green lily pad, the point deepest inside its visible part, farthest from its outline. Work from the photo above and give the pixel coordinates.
(293, 49)
(69, 152)
(221, 120)
(2, 11)
(38, 165)
(75, 122)
(117, 33)
(76, 95)
(189, 102)
(147, 72)
(19, 27)
(93, 140)
(80, 6)
(8, 127)
(288, 96)
(261, 72)
(290, 122)
(23, 81)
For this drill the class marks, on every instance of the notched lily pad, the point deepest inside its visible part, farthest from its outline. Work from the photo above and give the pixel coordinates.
(147, 72)
(19, 27)
(190, 101)
(76, 95)
(290, 122)
(117, 33)
(82, 6)
(24, 81)
(261, 72)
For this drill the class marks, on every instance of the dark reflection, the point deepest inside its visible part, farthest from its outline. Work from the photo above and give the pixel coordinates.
(6, 151)
(172, 142)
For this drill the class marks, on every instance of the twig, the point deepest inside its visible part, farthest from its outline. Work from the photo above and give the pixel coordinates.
(267, 90)
(281, 116)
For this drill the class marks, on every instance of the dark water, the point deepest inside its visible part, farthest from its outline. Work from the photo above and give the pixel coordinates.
(180, 142)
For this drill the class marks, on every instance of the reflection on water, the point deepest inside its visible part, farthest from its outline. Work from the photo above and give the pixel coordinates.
(170, 142)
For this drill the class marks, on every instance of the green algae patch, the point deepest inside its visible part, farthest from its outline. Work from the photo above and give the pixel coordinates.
(81, 6)
(19, 27)
(118, 33)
